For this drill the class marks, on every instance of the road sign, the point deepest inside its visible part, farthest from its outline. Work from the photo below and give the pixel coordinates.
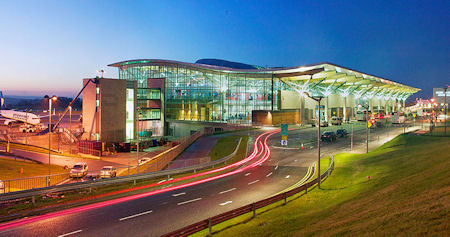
(284, 142)
(369, 124)
(284, 129)
(284, 137)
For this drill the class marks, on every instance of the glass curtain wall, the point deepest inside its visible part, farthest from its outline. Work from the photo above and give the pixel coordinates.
(197, 94)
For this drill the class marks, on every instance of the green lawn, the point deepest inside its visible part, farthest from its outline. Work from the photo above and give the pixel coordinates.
(408, 195)
(224, 147)
(10, 169)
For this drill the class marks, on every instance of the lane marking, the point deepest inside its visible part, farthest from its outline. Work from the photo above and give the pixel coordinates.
(193, 200)
(247, 174)
(225, 203)
(70, 233)
(162, 181)
(276, 167)
(287, 177)
(226, 191)
(178, 194)
(269, 174)
(253, 182)
(139, 214)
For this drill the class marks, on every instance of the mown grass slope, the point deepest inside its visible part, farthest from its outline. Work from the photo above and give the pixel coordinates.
(408, 195)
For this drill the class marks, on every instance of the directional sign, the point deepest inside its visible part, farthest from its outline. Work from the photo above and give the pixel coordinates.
(369, 124)
(284, 129)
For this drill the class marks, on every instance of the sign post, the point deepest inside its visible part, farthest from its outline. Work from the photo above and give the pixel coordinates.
(284, 134)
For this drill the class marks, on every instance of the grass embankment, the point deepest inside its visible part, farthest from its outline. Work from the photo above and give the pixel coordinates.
(10, 169)
(103, 193)
(408, 194)
(224, 147)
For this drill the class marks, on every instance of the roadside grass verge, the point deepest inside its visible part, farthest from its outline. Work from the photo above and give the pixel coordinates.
(224, 147)
(101, 193)
(408, 194)
(10, 169)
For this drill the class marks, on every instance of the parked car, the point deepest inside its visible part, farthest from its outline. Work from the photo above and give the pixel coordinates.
(79, 170)
(108, 172)
(27, 128)
(328, 136)
(341, 133)
(323, 123)
(336, 120)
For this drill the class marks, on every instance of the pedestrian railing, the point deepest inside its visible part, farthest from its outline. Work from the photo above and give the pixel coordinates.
(210, 222)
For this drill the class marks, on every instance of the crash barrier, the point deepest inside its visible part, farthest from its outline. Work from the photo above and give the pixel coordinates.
(11, 193)
(208, 223)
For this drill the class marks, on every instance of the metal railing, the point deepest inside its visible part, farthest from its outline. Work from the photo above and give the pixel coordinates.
(11, 193)
(208, 223)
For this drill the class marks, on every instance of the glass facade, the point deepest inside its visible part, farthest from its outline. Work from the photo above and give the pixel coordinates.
(198, 94)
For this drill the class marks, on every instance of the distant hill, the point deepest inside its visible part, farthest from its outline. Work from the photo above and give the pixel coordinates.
(225, 63)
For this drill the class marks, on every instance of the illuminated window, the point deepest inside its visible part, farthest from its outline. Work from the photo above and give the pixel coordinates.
(97, 90)
(97, 103)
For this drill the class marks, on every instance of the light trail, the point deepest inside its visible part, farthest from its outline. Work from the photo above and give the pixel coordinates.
(266, 155)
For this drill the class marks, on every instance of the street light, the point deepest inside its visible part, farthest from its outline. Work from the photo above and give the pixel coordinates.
(445, 110)
(50, 99)
(318, 99)
(70, 129)
(137, 138)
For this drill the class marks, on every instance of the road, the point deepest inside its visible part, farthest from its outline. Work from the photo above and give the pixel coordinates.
(153, 215)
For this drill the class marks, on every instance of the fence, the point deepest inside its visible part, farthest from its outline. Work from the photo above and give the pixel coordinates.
(14, 185)
(208, 223)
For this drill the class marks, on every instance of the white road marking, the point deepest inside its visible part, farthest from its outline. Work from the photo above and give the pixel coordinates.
(193, 200)
(253, 182)
(225, 203)
(276, 167)
(177, 194)
(162, 181)
(71, 233)
(287, 177)
(226, 191)
(295, 160)
(269, 174)
(139, 214)
(170, 179)
(247, 174)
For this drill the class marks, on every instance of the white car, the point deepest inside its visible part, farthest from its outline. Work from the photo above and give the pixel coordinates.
(79, 170)
(108, 172)
(27, 128)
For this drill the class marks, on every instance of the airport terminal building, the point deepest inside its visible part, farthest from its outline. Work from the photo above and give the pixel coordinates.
(173, 98)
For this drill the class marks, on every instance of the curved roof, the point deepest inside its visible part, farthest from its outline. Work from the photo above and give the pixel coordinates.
(324, 73)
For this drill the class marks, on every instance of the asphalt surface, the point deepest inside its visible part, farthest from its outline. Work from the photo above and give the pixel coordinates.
(161, 213)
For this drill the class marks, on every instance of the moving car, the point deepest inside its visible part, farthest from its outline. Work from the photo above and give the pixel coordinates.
(336, 120)
(108, 172)
(79, 170)
(323, 123)
(341, 133)
(328, 136)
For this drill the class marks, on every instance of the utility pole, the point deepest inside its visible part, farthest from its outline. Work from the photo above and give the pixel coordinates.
(70, 129)
(50, 99)
(26, 131)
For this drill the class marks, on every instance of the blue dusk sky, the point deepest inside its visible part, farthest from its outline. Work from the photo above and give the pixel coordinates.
(49, 46)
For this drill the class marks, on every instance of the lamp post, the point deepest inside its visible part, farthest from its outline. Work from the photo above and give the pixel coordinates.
(26, 132)
(318, 99)
(70, 129)
(445, 110)
(137, 138)
(367, 128)
(50, 99)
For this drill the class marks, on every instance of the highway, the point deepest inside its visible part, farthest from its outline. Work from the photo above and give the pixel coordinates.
(159, 212)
